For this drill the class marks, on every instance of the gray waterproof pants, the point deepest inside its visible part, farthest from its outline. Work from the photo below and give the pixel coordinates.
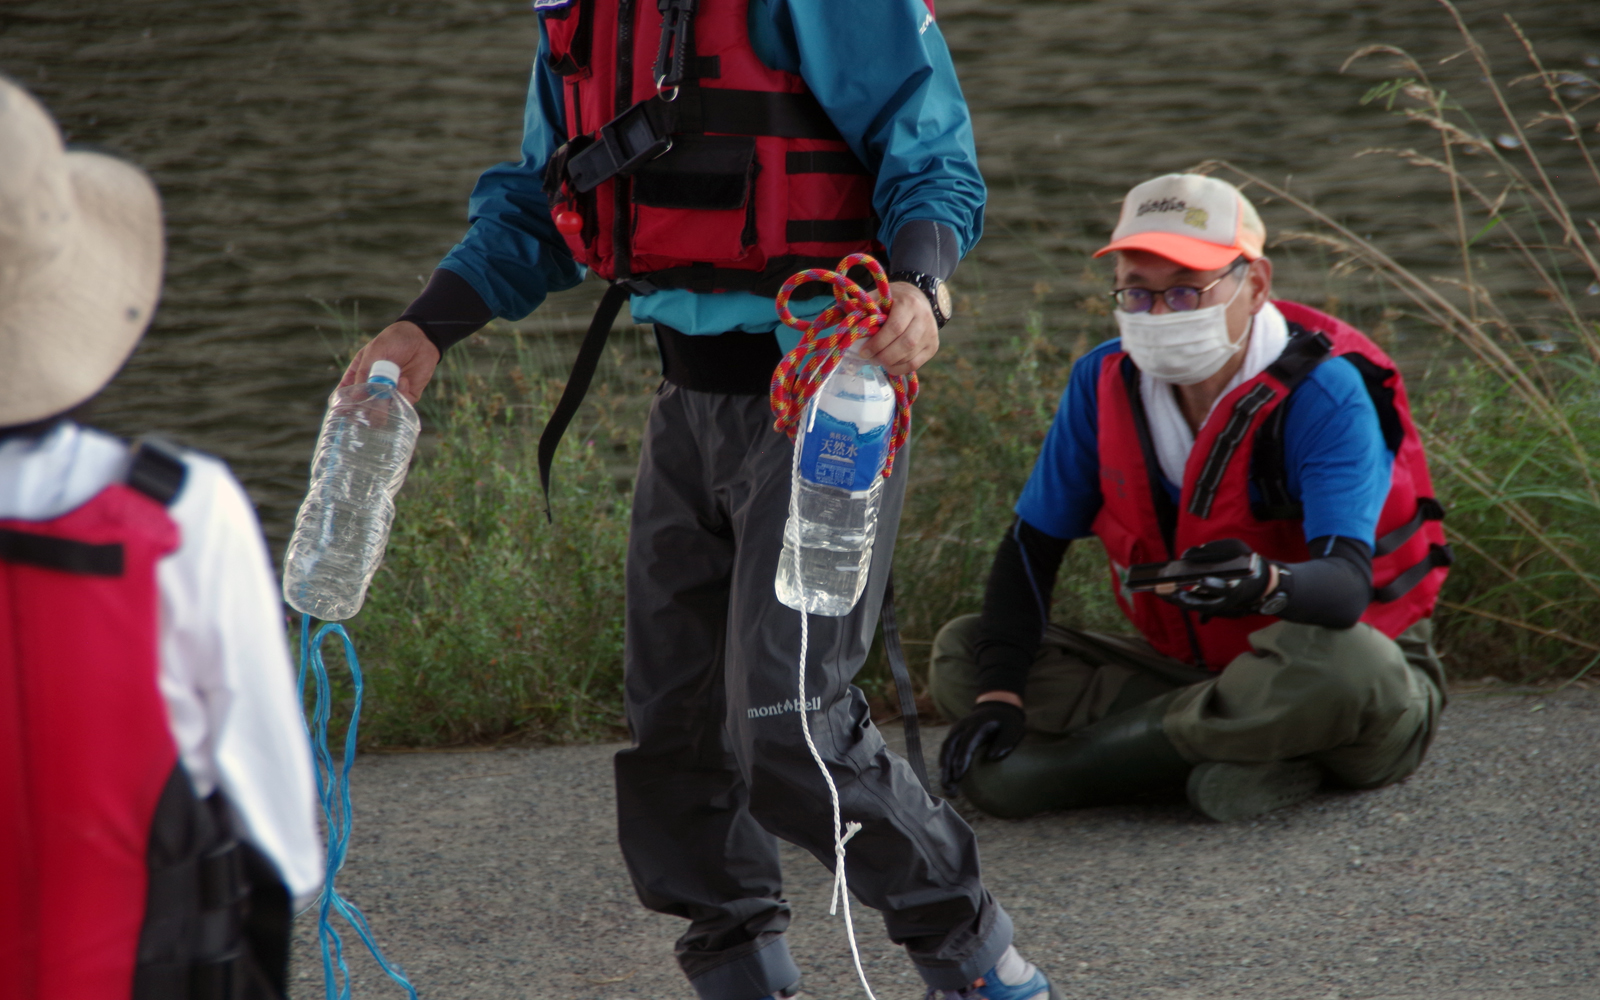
(719, 767)
(1363, 706)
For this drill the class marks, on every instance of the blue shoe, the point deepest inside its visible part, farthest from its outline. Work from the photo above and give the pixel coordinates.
(1012, 978)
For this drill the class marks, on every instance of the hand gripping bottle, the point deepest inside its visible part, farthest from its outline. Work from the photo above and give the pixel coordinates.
(361, 460)
(840, 449)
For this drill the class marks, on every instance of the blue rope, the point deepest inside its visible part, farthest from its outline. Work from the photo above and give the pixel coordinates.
(334, 791)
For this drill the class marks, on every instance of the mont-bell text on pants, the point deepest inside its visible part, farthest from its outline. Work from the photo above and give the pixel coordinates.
(792, 705)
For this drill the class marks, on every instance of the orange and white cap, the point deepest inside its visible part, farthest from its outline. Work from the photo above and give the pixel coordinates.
(1197, 221)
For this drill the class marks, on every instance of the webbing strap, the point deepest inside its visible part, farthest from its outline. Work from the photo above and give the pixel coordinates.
(1428, 509)
(594, 342)
(902, 685)
(830, 230)
(1268, 470)
(1222, 449)
(754, 112)
(765, 282)
(823, 161)
(1438, 556)
(644, 130)
(1305, 351)
(157, 471)
(65, 555)
(677, 37)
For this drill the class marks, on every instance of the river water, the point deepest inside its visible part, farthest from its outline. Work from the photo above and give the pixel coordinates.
(315, 157)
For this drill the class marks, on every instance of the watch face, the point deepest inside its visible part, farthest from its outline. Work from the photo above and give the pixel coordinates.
(941, 294)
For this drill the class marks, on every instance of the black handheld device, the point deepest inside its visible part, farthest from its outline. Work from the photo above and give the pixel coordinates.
(1188, 572)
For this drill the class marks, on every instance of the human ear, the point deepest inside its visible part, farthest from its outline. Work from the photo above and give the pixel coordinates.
(1260, 279)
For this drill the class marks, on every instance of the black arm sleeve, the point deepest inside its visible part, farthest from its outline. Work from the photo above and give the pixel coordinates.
(449, 310)
(1016, 606)
(926, 247)
(1334, 589)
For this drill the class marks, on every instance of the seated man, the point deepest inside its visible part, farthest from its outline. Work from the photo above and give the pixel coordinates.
(1219, 425)
(157, 799)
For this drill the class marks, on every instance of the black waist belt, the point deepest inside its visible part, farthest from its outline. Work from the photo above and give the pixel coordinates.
(739, 364)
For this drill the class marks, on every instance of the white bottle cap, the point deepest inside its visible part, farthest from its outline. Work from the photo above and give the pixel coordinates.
(384, 371)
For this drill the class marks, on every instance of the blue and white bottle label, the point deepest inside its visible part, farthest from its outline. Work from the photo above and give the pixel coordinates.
(836, 454)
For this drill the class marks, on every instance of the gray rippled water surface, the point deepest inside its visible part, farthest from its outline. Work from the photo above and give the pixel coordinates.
(316, 155)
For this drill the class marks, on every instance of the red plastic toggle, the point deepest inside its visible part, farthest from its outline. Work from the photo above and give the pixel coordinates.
(569, 223)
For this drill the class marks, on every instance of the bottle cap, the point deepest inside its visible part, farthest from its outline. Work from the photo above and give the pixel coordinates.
(384, 371)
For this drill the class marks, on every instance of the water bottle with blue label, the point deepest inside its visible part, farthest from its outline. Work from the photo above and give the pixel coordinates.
(361, 460)
(840, 449)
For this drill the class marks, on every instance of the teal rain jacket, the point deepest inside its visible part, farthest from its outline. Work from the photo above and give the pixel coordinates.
(884, 75)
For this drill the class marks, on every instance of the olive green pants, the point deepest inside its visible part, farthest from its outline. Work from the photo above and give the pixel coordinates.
(1362, 705)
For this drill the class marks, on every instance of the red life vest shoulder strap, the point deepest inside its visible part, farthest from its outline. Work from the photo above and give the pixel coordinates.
(1304, 352)
(155, 471)
(1128, 462)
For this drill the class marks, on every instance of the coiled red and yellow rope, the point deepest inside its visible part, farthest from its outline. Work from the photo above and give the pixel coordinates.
(854, 314)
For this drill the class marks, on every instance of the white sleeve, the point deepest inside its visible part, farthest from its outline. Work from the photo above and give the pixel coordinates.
(228, 679)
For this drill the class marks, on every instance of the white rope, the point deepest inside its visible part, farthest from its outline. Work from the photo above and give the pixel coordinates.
(841, 832)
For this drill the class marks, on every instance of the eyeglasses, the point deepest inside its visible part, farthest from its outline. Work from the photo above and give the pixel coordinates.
(1180, 298)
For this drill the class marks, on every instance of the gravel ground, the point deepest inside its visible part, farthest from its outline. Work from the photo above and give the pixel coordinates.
(496, 875)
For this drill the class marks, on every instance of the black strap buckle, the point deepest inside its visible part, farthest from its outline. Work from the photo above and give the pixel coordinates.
(677, 18)
(626, 143)
(555, 171)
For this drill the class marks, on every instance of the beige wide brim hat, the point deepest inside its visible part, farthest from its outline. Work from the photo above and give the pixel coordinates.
(80, 264)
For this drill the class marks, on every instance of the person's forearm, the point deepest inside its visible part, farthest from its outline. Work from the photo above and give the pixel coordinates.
(1332, 590)
(1016, 607)
(449, 310)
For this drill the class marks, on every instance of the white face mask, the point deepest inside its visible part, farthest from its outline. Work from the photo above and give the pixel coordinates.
(1180, 347)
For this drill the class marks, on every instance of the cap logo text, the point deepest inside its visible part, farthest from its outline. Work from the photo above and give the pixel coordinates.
(1161, 205)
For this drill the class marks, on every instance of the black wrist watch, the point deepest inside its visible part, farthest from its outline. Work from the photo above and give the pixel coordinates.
(1279, 598)
(935, 289)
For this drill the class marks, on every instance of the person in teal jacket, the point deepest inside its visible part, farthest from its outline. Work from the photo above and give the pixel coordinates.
(718, 768)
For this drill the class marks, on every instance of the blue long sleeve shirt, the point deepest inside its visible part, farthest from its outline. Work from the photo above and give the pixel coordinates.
(884, 76)
(1338, 465)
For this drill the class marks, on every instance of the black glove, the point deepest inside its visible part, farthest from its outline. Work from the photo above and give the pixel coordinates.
(1218, 597)
(996, 724)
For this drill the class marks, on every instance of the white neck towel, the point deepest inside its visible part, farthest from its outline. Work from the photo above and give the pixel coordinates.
(1269, 334)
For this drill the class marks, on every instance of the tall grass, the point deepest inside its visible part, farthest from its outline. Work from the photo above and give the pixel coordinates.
(1512, 424)
(487, 623)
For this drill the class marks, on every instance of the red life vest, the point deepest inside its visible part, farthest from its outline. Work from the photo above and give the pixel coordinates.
(1240, 446)
(112, 872)
(734, 183)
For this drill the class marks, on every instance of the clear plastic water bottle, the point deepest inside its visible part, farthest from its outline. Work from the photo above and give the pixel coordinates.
(361, 461)
(833, 498)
